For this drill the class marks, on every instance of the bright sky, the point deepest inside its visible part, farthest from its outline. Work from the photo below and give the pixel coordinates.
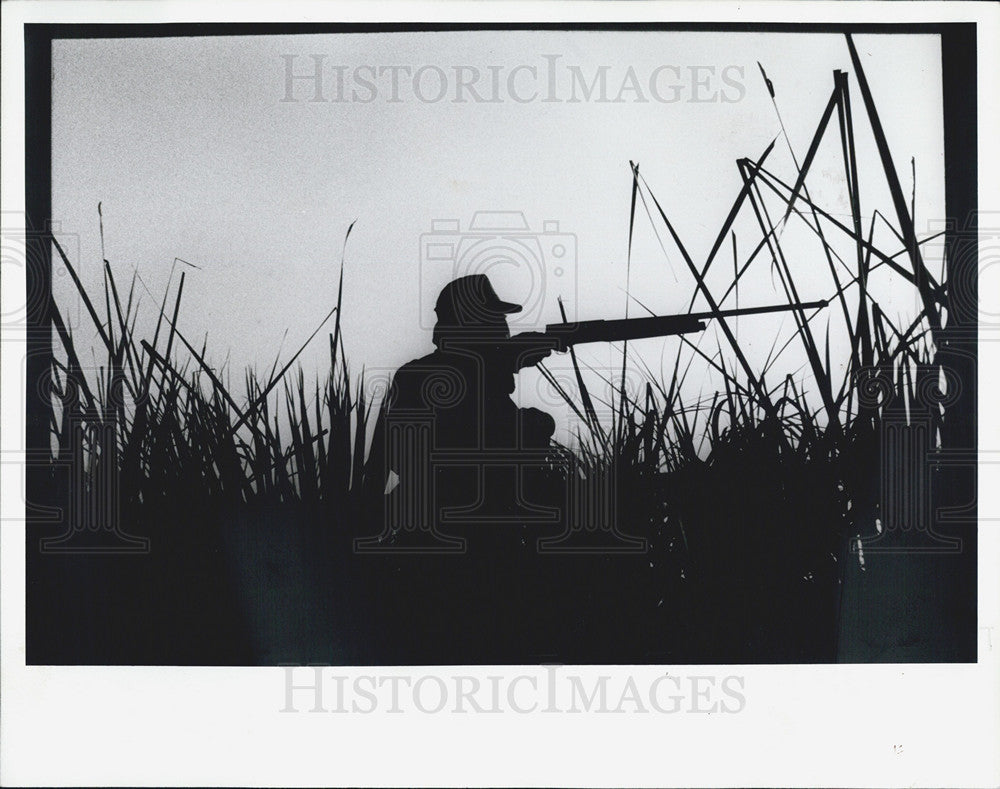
(194, 154)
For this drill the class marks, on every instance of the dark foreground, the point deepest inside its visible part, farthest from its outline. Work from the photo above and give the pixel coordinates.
(762, 572)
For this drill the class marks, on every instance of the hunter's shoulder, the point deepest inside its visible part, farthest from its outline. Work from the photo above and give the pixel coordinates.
(436, 370)
(431, 361)
(436, 363)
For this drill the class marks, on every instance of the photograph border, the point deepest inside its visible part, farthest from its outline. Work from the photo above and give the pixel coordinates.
(821, 725)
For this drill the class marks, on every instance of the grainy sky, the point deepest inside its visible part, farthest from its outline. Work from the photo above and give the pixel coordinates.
(201, 149)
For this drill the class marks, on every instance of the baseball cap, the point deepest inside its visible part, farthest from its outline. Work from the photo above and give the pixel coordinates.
(471, 300)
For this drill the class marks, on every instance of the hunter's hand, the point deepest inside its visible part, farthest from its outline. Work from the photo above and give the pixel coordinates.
(532, 347)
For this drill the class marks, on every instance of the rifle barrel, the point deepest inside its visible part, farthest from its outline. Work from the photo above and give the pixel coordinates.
(808, 305)
(566, 334)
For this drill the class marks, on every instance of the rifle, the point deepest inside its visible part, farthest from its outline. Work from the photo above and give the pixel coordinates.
(560, 336)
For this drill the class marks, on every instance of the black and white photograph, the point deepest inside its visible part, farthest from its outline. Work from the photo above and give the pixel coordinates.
(590, 362)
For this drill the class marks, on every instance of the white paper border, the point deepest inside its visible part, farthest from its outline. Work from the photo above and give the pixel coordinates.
(897, 725)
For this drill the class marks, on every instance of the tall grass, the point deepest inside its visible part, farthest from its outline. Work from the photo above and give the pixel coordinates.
(175, 429)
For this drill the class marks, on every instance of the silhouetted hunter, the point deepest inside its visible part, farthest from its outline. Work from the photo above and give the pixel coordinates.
(464, 388)
(459, 396)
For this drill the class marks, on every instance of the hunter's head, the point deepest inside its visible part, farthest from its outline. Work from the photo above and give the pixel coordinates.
(469, 310)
